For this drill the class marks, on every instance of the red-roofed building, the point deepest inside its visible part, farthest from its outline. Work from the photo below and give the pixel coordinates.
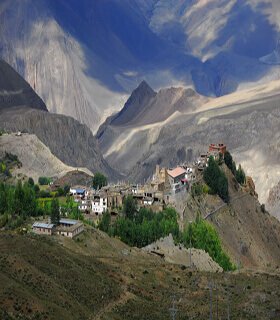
(220, 148)
(177, 174)
(176, 178)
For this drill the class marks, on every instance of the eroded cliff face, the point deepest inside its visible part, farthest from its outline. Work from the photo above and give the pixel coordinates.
(54, 63)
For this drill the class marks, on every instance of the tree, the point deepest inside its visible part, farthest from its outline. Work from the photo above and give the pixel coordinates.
(240, 175)
(66, 189)
(43, 181)
(36, 188)
(31, 181)
(55, 215)
(229, 162)
(105, 222)
(216, 179)
(99, 181)
(129, 207)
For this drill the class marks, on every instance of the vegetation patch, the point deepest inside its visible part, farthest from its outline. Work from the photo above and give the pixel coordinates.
(138, 229)
(216, 179)
(202, 235)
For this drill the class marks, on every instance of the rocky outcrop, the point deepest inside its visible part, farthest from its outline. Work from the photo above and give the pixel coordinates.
(166, 248)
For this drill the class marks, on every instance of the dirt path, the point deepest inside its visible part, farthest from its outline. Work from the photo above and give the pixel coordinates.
(123, 298)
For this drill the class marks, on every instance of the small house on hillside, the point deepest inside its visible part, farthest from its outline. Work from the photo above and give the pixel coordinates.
(69, 228)
(43, 228)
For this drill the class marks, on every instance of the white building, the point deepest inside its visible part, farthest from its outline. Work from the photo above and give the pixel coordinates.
(99, 204)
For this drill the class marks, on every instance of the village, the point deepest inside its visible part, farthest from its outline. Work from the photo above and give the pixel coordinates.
(166, 187)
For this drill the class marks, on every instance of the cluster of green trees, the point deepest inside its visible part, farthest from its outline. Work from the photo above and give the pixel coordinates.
(99, 181)
(216, 179)
(24, 200)
(202, 235)
(17, 203)
(8, 161)
(238, 173)
(140, 228)
(43, 181)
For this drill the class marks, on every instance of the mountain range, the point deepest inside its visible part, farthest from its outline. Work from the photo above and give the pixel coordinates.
(84, 58)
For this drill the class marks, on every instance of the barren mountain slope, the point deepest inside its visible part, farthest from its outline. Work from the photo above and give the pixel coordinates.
(249, 234)
(37, 160)
(99, 277)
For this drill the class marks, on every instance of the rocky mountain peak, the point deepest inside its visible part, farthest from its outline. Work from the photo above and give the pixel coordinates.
(139, 98)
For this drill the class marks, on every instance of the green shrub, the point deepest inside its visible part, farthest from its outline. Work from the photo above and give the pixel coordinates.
(43, 181)
(203, 236)
(197, 189)
(44, 194)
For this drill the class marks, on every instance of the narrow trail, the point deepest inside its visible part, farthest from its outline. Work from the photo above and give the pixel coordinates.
(123, 298)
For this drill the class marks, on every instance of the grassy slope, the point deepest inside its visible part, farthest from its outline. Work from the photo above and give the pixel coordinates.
(101, 278)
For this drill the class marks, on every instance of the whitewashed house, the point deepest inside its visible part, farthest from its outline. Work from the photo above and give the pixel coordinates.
(99, 204)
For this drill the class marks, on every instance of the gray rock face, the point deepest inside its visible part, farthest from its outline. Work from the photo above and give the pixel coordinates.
(273, 201)
(15, 91)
